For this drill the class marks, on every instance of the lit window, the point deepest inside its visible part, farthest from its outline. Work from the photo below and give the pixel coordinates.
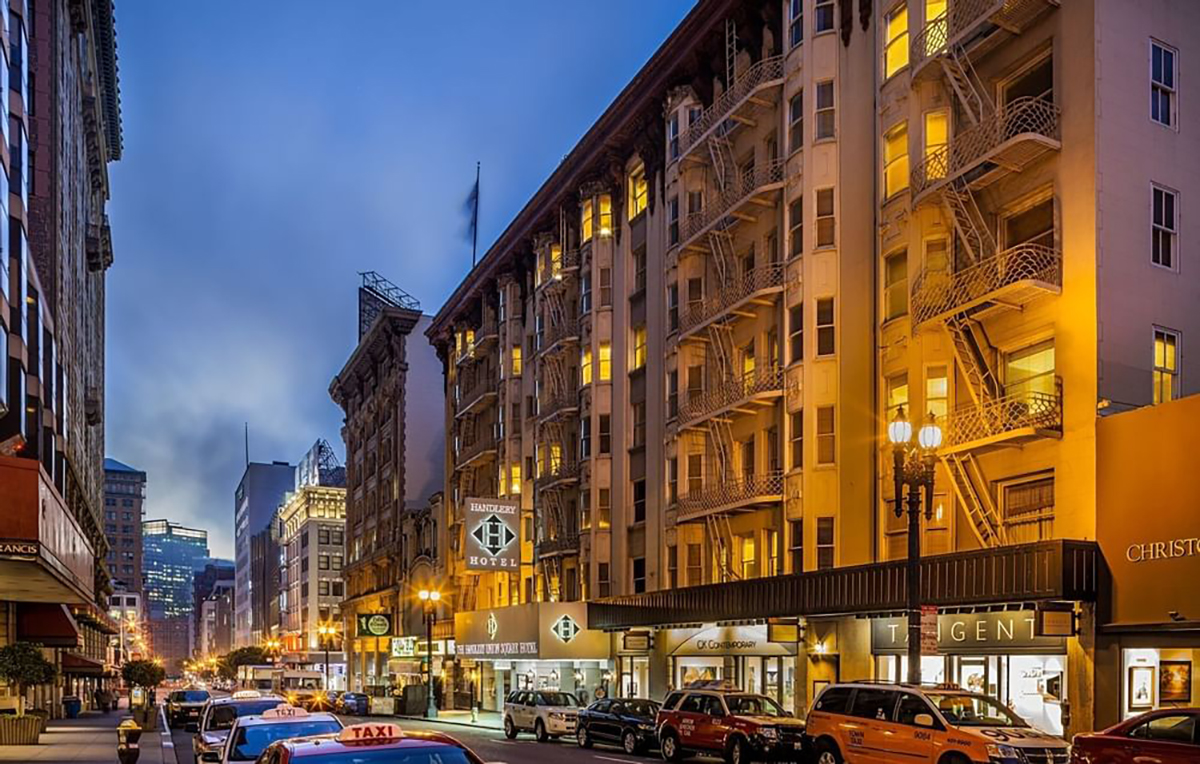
(936, 145)
(826, 222)
(639, 346)
(937, 392)
(585, 366)
(1166, 365)
(796, 22)
(935, 17)
(555, 262)
(514, 473)
(585, 225)
(895, 160)
(500, 478)
(749, 556)
(826, 339)
(516, 360)
(606, 224)
(895, 285)
(796, 121)
(825, 111)
(897, 396)
(637, 191)
(1030, 371)
(826, 443)
(1162, 84)
(895, 49)
(604, 508)
(1163, 228)
(605, 361)
(823, 16)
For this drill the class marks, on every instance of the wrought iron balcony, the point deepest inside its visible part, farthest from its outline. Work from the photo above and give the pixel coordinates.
(558, 333)
(742, 289)
(482, 389)
(487, 333)
(963, 22)
(1014, 418)
(759, 387)
(756, 180)
(562, 545)
(1013, 277)
(552, 274)
(556, 474)
(761, 75)
(478, 450)
(732, 495)
(554, 404)
(1006, 141)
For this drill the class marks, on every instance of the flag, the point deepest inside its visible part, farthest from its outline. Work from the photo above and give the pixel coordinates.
(471, 210)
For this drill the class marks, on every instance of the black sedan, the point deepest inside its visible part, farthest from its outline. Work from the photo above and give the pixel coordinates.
(627, 722)
(353, 704)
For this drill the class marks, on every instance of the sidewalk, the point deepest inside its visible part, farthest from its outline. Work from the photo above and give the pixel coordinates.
(490, 720)
(90, 738)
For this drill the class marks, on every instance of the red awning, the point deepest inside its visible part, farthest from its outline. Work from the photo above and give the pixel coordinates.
(81, 665)
(50, 624)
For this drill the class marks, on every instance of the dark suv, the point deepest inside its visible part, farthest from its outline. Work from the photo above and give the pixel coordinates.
(184, 706)
(740, 726)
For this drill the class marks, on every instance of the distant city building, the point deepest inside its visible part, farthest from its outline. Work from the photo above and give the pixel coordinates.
(172, 551)
(133, 639)
(216, 621)
(124, 496)
(258, 496)
(209, 574)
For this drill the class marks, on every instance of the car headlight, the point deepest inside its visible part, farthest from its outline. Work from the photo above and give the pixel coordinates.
(770, 733)
(1003, 753)
(557, 716)
(646, 727)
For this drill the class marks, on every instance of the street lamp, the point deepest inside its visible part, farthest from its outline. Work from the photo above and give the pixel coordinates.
(327, 632)
(429, 599)
(913, 466)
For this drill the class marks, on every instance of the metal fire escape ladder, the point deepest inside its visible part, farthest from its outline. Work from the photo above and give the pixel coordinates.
(981, 378)
(967, 85)
(721, 243)
(968, 221)
(971, 490)
(720, 537)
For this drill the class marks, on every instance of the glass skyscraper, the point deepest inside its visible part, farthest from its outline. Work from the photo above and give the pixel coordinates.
(172, 554)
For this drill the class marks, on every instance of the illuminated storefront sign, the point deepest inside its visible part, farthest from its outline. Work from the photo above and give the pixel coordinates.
(1013, 631)
(374, 625)
(540, 630)
(493, 534)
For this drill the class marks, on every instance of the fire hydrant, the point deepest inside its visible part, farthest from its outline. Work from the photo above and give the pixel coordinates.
(128, 735)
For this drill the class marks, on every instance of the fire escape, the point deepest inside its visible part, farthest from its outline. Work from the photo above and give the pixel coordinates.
(992, 140)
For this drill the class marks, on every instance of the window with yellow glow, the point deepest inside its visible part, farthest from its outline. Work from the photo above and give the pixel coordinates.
(937, 139)
(1166, 366)
(555, 458)
(500, 480)
(606, 224)
(514, 485)
(585, 225)
(895, 160)
(895, 49)
(935, 13)
(605, 361)
(556, 262)
(937, 392)
(639, 346)
(1030, 370)
(585, 366)
(749, 557)
(897, 396)
(516, 360)
(748, 362)
(638, 191)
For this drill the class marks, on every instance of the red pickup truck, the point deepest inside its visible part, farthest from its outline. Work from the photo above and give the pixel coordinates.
(741, 727)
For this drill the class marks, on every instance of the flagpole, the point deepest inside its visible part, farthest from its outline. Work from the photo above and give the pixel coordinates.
(475, 218)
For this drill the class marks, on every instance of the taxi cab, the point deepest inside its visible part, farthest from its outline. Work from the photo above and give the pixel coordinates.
(371, 744)
(885, 723)
(218, 717)
(250, 735)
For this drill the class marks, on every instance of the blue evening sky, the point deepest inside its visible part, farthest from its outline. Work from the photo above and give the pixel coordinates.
(275, 149)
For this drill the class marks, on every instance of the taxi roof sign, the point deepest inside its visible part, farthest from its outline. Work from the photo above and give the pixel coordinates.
(244, 694)
(284, 711)
(367, 733)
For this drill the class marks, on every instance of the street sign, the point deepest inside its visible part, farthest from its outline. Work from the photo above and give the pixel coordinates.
(929, 630)
(493, 534)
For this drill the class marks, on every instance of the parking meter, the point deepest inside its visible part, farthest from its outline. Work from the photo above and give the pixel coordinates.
(128, 735)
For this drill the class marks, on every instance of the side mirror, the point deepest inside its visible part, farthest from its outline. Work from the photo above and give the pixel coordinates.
(214, 756)
(923, 720)
(192, 727)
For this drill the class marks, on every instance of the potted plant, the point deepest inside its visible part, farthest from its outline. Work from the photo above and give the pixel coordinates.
(147, 675)
(22, 664)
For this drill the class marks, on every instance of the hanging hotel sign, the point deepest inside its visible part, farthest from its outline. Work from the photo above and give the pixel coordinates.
(493, 534)
(374, 625)
(1012, 631)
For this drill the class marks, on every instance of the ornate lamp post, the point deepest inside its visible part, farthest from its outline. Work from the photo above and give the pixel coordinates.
(913, 466)
(429, 599)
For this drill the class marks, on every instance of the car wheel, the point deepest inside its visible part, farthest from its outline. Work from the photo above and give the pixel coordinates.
(735, 752)
(539, 731)
(510, 729)
(582, 737)
(630, 742)
(669, 747)
(828, 753)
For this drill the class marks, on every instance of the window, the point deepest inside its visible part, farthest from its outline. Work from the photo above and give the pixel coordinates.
(748, 553)
(585, 510)
(516, 360)
(639, 501)
(695, 467)
(672, 394)
(935, 11)
(826, 222)
(825, 111)
(796, 120)
(796, 23)
(1030, 370)
(824, 543)
(1166, 365)
(823, 16)
(910, 706)
(604, 508)
(339, 538)
(602, 576)
(639, 347)
(639, 424)
(797, 442)
(937, 392)
(639, 574)
(825, 329)
(796, 218)
(673, 308)
(937, 141)
(585, 294)
(1162, 84)
(585, 366)
(895, 285)
(637, 191)
(796, 545)
(895, 47)
(872, 703)
(606, 224)
(673, 567)
(695, 565)
(501, 305)
(585, 224)
(323, 588)
(338, 588)
(796, 329)
(323, 536)
(1028, 498)
(639, 271)
(897, 396)
(673, 220)
(673, 135)
(895, 160)
(514, 479)
(672, 480)
(605, 287)
(605, 433)
(1163, 228)
(585, 437)
(826, 443)
(748, 461)
(335, 562)
(605, 361)
(1175, 728)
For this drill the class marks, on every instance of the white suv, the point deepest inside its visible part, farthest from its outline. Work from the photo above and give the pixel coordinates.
(545, 713)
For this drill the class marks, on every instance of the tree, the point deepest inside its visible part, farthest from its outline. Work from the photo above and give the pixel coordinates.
(243, 656)
(22, 664)
(145, 674)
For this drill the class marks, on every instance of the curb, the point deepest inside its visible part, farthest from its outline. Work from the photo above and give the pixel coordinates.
(440, 720)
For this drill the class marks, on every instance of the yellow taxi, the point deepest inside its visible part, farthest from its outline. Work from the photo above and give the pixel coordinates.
(878, 723)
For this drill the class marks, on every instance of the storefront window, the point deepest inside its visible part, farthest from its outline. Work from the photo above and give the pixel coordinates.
(1154, 678)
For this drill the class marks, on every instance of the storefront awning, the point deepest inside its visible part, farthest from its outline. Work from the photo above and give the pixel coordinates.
(49, 624)
(74, 664)
(1042, 572)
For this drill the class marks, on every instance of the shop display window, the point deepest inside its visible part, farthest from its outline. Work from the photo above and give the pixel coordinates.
(1154, 678)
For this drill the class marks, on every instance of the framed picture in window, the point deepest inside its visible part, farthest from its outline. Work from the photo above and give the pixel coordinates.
(1141, 687)
(1175, 682)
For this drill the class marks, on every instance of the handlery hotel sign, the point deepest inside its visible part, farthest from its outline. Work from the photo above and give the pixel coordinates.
(493, 534)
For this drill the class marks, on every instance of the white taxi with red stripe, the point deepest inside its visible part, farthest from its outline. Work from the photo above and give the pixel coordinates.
(250, 735)
(372, 743)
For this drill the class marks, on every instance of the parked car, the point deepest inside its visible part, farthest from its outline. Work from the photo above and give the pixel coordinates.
(250, 735)
(353, 703)
(546, 713)
(372, 742)
(1166, 736)
(184, 706)
(627, 722)
(740, 726)
(220, 714)
(873, 722)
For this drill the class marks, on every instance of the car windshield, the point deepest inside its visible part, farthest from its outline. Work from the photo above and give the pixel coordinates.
(252, 741)
(437, 753)
(223, 716)
(975, 711)
(753, 705)
(189, 696)
(640, 707)
(556, 699)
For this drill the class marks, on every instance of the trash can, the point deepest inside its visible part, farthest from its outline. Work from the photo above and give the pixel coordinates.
(72, 706)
